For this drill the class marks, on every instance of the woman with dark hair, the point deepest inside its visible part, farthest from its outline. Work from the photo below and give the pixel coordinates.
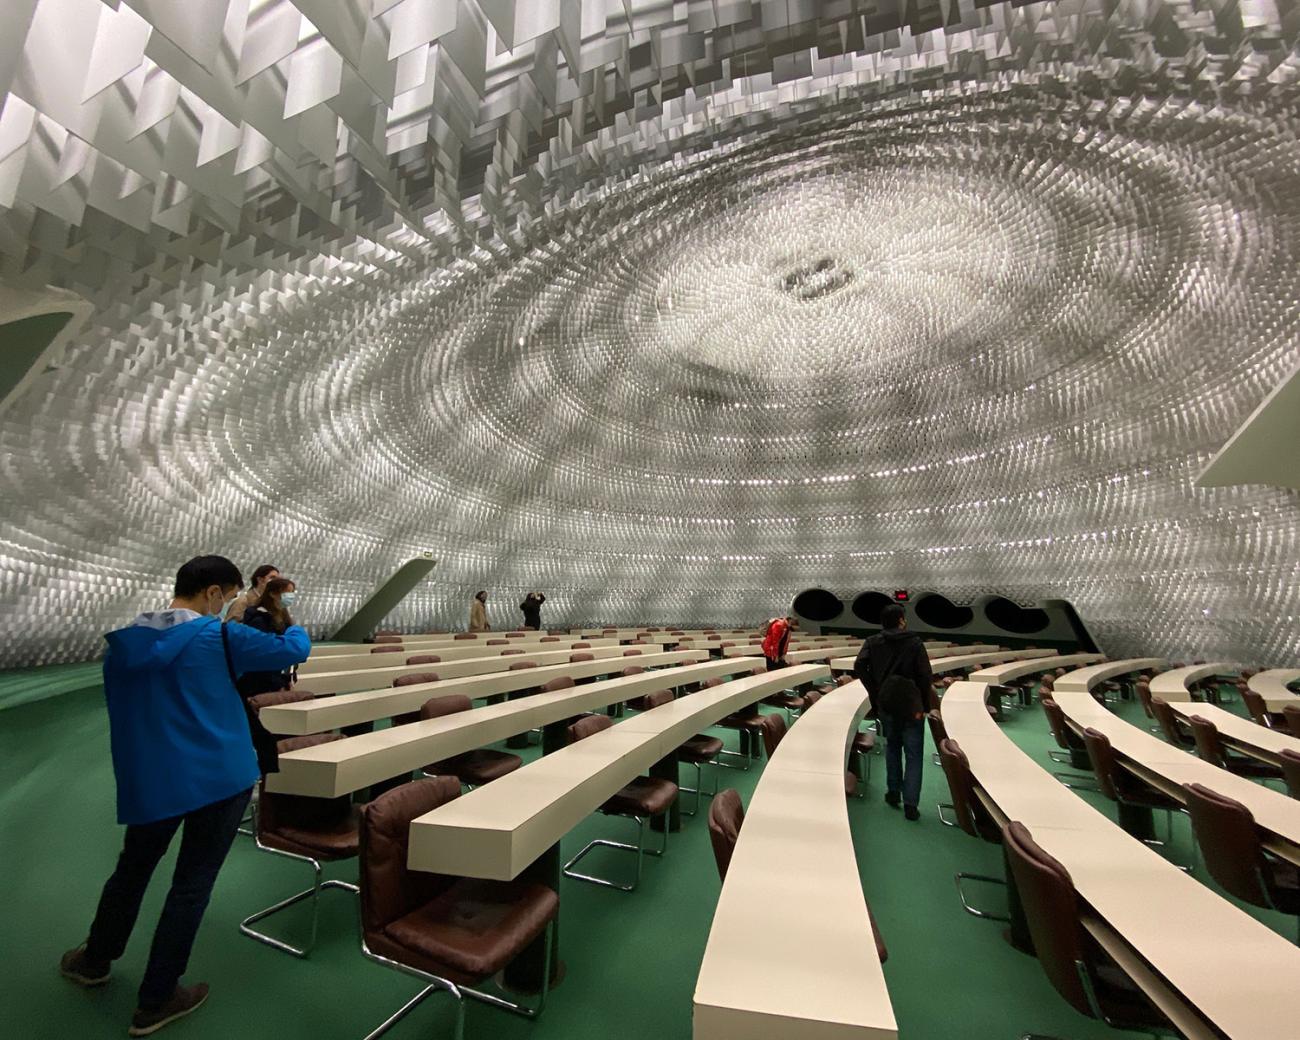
(249, 598)
(271, 615)
(478, 621)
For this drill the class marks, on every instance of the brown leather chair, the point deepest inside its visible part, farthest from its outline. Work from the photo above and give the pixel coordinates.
(1210, 747)
(636, 703)
(970, 814)
(1235, 856)
(1170, 726)
(1291, 771)
(1291, 718)
(306, 830)
(1076, 965)
(549, 639)
(414, 679)
(1255, 705)
(394, 648)
(451, 932)
(1125, 789)
(699, 751)
(472, 768)
(580, 646)
(465, 635)
(513, 650)
(748, 723)
(633, 652)
(385, 633)
(387, 636)
(498, 642)
(645, 797)
(726, 818)
(424, 659)
(516, 633)
(1069, 742)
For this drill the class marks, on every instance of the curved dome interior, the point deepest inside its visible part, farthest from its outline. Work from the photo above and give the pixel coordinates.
(668, 317)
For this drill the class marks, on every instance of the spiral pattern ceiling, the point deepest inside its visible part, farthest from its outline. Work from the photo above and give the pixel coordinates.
(669, 309)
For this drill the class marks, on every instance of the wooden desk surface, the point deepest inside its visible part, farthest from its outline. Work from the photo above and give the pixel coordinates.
(342, 766)
(1086, 678)
(1169, 767)
(1272, 686)
(1172, 685)
(1019, 669)
(492, 660)
(1181, 927)
(350, 709)
(496, 830)
(802, 968)
(1260, 741)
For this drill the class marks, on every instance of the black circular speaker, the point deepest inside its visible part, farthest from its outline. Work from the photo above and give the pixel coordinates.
(817, 605)
(1015, 618)
(938, 611)
(868, 605)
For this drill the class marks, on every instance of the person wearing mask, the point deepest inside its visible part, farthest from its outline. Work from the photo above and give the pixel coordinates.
(478, 621)
(895, 669)
(776, 641)
(266, 572)
(532, 608)
(271, 615)
(183, 760)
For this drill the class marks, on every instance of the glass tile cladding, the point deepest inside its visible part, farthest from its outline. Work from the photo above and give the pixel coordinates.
(668, 309)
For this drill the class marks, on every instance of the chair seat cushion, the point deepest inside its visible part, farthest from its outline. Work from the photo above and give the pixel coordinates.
(337, 840)
(699, 749)
(850, 782)
(644, 796)
(864, 741)
(791, 701)
(743, 720)
(474, 928)
(477, 767)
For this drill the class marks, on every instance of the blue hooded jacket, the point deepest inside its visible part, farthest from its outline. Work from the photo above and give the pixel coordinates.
(178, 729)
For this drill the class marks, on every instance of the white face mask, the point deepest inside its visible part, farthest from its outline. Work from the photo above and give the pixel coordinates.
(224, 608)
(288, 599)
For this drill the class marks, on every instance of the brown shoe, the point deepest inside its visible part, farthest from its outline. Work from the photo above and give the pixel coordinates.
(184, 1000)
(73, 965)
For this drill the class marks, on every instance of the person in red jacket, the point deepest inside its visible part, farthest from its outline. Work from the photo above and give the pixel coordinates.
(776, 640)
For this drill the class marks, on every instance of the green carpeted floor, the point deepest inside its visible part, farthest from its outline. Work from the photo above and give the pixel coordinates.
(632, 959)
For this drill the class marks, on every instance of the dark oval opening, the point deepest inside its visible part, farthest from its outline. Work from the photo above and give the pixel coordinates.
(938, 611)
(868, 605)
(1015, 618)
(817, 605)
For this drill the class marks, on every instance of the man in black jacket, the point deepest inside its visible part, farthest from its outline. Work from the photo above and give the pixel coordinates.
(896, 652)
(532, 608)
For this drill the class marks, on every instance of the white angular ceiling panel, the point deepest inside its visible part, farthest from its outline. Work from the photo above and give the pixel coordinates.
(669, 308)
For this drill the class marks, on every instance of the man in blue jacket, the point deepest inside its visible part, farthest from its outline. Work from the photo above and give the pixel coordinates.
(183, 760)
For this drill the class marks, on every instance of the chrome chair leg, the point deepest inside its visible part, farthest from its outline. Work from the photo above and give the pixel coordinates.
(943, 819)
(971, 909)
(698, 789)
(639, 848)
(313, 893)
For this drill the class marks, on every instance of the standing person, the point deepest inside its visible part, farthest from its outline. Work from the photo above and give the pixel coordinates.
(183, 761)
(532, 608)
(271, 615)
(266, 572)
(478, 621)
(776, 640)
(895, 669)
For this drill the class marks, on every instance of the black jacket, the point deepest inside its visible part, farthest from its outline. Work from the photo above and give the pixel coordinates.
(881, 651)
(532, 608)
(252, 683)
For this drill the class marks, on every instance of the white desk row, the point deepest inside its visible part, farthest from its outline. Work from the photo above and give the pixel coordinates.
(1273, 685)
(1246, 736)
(341, 766)
(1089, 678)
(797, 969)
(370, 705)
(387, 658)
(943, 659)
(1173, 685)
(1143, 903)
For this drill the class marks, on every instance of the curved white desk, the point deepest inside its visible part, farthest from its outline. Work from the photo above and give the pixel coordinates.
(1272, 686)
(1093, 675)
(1172, 685)
(801, 969)
(457, 652)
(1246, 736)
(1167, 768)
(1177, 925)
(1004, 673)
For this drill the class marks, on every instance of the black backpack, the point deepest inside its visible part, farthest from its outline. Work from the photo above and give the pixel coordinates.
(899, 698)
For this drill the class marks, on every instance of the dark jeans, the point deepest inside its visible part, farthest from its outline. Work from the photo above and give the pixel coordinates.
(907, 736)
(773, 663)
(205, 840)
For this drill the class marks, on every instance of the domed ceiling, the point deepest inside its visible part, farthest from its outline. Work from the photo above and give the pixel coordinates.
(670, 309)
